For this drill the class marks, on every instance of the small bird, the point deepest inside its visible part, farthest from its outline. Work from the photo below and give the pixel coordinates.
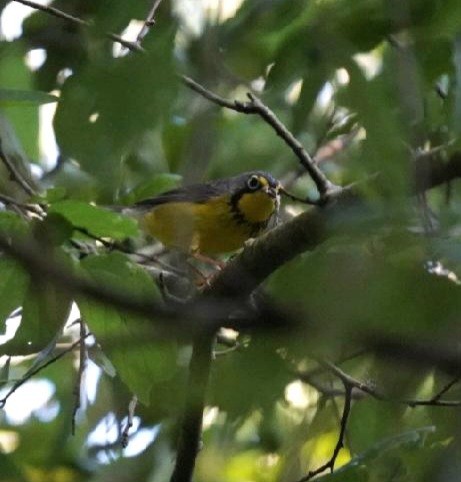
(214, 217)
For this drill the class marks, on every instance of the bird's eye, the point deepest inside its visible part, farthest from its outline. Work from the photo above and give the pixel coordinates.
(253, 183)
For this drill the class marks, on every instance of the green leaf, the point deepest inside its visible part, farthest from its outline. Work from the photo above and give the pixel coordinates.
(129, 341)
(106, 109)
(97, 221)
(311, 86)
(158, 184)
(258, 371)
(10, 97)
(54, 230)
(9, 470)
(11, 223)
(13, 284)
(97, 356)
(376, 106)
(45, 311)
(176, 140)
(15, 75)
(117, 271)
(52, 195)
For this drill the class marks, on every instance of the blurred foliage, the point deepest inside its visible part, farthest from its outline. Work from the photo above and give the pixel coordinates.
(364, 85)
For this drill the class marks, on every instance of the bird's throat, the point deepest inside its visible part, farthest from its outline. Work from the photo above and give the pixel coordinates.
(256, 207)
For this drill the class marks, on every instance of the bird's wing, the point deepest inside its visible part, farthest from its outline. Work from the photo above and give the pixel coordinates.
(196, 193)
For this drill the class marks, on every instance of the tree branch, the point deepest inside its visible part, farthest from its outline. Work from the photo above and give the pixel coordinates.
(32, 208)
(133, 46)
(191, 425)
(366, 388)
(52, 11)
(129, 422)
(445, 389)
(14, 173)
(256, 106)
(148, 23)
(202, 315)
(77, 392)
(330, 464)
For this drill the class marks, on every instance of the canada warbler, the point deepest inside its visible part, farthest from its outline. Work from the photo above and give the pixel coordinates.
(212, 217)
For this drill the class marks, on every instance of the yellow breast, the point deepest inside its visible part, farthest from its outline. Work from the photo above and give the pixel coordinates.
(210, 227)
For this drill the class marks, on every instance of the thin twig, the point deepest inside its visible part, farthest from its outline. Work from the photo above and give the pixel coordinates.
(324, 186)
(445, 389)
(256, 106)
(81, 368)
(52, 11)
(350, 384)
(364, 387)
(23, 380)
(78, 21)
(33, 208)
(129, 422)
(14, 173)
(216, 99)
(327, 391)
(148, 23)
(330, 464)
(112, 245)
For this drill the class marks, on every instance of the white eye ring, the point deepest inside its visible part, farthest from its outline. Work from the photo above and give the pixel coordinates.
(253, 182)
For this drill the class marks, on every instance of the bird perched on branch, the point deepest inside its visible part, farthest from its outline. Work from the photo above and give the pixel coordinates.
(213, 217)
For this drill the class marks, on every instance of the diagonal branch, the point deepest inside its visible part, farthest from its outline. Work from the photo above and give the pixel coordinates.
(256, 106)
(445, 389)
(330, 464)
(52, 11)
(129, 422)
(347, 379)
(209, 313)
(14, 173)
(23, 207)
(148, 23)
(133, 46)
(77, 392)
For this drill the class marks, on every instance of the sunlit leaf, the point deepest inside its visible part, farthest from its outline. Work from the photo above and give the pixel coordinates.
(141, 360)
